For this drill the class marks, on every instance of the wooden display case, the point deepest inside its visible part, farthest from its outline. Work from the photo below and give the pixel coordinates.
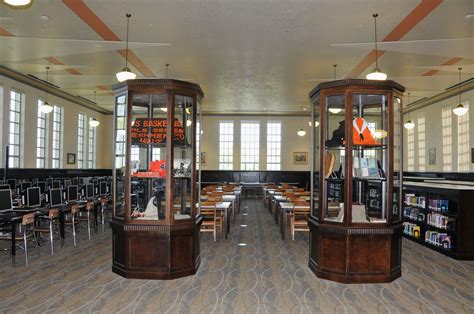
(355, 222)
(155, 223)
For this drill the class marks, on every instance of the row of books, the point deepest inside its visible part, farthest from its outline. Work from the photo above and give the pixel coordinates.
(366, 168)
(411, 229)
(440, 221)
(414, 213)
(439, 205)
(438, 238)
(414, 200)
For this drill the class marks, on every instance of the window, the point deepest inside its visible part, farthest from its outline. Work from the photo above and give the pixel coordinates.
(226, 145)
(249, 145)
(463, 142)
(446, 123)
(273, 145)
(421, 143)
(91, 159)
(57, 160)
(81, 134)
(41, 136)
(14, 138)
(135, 154)
(156, 155)
(411, 149)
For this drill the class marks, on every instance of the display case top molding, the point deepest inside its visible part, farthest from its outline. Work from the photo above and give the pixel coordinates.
(357, 83)
(157, 83)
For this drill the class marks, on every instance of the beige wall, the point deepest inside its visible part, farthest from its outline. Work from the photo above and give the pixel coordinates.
(291, 142)
(71, 110)
(434, 133)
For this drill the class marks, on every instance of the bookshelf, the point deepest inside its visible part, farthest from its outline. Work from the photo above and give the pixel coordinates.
(440, 217)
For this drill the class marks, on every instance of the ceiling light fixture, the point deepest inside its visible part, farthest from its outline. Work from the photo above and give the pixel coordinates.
(93, 122)
(377, 75)
(46, 107)
(18, 3)
(316, 123)
(301, 132)
(334, 66)
(460, 110)
(126, 73)
(409, 124)
(335, 110)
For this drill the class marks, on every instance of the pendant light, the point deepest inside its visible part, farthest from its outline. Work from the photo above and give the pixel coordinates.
(126, 73)
(301, 132)
(409, 124)
(377, 75)
(460, 110)
(166, 77)
(93, 122)
(17, 3)
(46, 107)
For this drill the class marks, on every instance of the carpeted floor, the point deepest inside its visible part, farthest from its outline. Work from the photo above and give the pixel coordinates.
(267, 275)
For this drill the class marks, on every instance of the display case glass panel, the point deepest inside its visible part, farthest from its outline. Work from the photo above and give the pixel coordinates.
(369, 130)
(314, 124)
(397, 159)
(119, 149)
(334, 154)
(183, 127)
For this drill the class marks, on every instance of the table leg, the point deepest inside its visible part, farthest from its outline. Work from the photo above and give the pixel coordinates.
(233, 210)
(282, 222)
(226, 222)
(276, 213)
(13, 243)
(61, 226)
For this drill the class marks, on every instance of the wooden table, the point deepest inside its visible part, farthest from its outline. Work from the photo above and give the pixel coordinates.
(223, 206)
(285, 207)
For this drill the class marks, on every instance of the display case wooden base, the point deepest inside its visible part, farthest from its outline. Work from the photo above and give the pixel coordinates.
(155, 251)
(355, 255)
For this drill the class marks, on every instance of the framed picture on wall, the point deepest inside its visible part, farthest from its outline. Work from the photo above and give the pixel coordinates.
(203, 158)
(432, 156)
(71, 158)
(300, 157)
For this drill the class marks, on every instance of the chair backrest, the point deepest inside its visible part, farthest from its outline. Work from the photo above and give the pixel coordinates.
(301, 212)
(53, 213)
(208, 209)
(215, 193)
(28, 219)
(299, 190)
(288, 194)
(300, 203)
(228, 188)
(217, 198)
(90, 206)
(104, 201)
(305, 193)
(74, 209)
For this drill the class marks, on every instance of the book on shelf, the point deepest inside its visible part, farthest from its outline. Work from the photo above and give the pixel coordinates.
(440, 239)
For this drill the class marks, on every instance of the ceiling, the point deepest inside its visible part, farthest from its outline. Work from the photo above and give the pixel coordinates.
(247, 55)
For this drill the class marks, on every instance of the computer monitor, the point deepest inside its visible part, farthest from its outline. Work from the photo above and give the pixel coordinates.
(33, 198)
(42, 186)
(11, 183)
(6, 199)
(55, 197)
(24, 186)
(102, 188)
(4, 187)
(90, 191)
(56, 184)
(81, 181)
(75, 181)
(67, 183)
(72, 193)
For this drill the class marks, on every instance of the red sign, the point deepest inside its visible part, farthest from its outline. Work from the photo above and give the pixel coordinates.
(153, 131)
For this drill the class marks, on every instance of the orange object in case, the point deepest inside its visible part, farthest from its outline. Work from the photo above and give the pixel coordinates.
(361, 134)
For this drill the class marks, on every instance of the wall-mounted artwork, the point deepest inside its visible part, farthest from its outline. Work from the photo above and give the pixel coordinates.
(432, 156)
(300, 157)
(203, 158)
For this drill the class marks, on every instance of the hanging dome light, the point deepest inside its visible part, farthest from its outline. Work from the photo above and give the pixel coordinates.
(378, 134)
(18, 3)
(189, 122)
(301, 132)
(376, 75)
(126, 73)
(46, 107)
(94, 123)
(316, 123)
(460, 110)
(335, 110)
(409, 125)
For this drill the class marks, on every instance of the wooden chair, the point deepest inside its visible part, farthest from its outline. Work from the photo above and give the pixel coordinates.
(219, 214)
(52, 216)
(299, 218)
(209, 219)
(73, 220)
(89, 209)
(27, 222)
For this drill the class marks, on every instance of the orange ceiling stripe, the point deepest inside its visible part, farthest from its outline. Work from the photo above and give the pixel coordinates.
(449, 62)
(4, 32)
(89, 17)
(411, 20)
(73, 71)
(54, 60)
(137, 63)
(103, 87)
(421, 11)
(365, 63)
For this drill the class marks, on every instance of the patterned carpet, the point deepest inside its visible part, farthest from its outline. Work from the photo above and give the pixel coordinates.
(266, 276)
